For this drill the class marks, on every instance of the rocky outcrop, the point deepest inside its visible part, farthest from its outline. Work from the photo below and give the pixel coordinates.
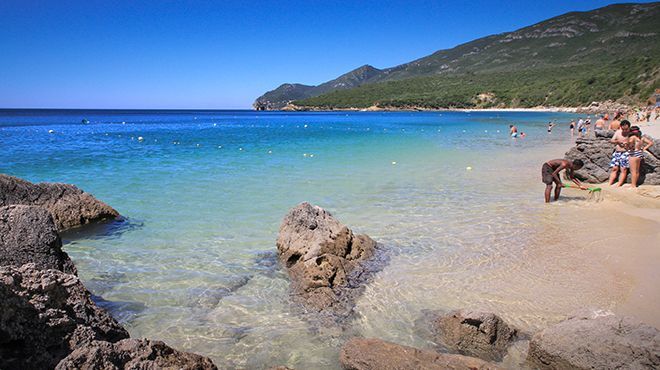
(45, 315)
(596, 153)
(474, 333)
(28, 234)
(376, 354)
(69, 205)
(322, 256)
(133, 354)
(596, 341)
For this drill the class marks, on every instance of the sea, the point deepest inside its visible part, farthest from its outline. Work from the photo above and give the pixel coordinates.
(454, 202)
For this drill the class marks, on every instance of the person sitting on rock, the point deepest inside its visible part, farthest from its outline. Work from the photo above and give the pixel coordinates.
(620, 157)
(550, 173)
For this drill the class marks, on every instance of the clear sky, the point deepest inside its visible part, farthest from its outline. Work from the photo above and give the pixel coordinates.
(223, 54)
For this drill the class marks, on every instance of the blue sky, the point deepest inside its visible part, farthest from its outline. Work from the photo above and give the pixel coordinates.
(223, 54)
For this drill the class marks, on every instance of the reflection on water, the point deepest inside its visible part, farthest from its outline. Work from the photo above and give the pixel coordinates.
(194, 261)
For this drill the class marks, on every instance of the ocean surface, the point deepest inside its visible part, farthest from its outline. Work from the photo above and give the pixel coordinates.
(453, 200)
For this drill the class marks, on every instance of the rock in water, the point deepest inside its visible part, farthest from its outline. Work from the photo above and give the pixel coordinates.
(28, 234)
(45, 315)
(475, 333)
(376, 354)
(596, 341)
(596, 154)
(69, 205)
(322, 256)
(133, 354)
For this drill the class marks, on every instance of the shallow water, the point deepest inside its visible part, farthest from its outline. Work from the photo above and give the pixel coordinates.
(204, 191)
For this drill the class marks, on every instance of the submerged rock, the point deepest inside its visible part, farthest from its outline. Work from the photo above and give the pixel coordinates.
(596, 154)
(69, 206)
(475, 333)
(133, 354)
(45, 315)
(596, 341)
(376, 354)
(322, 256)
(28, 234)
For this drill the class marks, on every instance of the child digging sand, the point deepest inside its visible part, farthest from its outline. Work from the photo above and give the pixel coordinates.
(550, 173)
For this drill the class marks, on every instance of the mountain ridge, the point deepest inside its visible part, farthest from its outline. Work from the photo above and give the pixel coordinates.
(568, 41)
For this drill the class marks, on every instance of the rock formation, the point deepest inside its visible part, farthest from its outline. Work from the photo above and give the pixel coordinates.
(46, 314)
(596, 341)
(376, 354)
(474, 333)
(69, 205)
(28, 234)
(133, 354)
(596, 153)
(322, 256)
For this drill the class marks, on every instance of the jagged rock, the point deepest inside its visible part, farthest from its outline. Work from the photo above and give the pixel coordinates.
(376, 354)
(322, 256)
(596, 341)
(69, 205)
(596, 154)
(28, 234)
(136, 354)
(46, 314)
(474, 333)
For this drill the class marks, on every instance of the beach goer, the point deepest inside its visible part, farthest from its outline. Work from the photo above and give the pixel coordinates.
(572, 126)
(513, 131)
(637, 145)
(550, 174)
(580, 126)
(550, 126)
(600, 124)
(587, 125)
(522, 134)
(616, 123)
(619, 164)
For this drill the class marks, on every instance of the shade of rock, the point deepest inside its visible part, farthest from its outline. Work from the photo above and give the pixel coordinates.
(322, 256)
(45, 315)
(376, 354)
(596, 154)
(69, 206)
(475, 333)
(28, 234)
(596, 341)
(142, 354)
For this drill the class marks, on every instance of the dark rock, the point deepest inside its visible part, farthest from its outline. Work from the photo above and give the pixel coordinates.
(45, 315)
(136, 354)
(28, 234)
(322, 256)
(474, 333)
(596, 341)
(596, 154)
(376, 354)
(69, 205)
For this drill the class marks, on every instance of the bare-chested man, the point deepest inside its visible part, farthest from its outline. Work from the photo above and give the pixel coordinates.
(550, 173)
(600, 124)
(513, 131)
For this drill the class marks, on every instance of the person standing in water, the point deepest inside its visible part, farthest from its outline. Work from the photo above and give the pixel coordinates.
(513, 131)
(550, 174)
(550, 126)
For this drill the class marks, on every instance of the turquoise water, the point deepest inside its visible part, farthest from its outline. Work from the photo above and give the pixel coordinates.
(203, 193)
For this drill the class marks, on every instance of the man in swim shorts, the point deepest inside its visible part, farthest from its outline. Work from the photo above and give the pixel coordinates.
(550, 174)
(619, 164)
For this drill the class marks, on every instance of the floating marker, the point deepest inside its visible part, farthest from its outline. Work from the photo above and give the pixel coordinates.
(219, 146)
(215, 124)
(463, 130)
(270, 152)
(198, 145)
(140, 138)
(304, 154)
(241, 149)
(51, 131)
(393, 162)
(311, 155)
(468, 168)
(305, 126)
(485, 130)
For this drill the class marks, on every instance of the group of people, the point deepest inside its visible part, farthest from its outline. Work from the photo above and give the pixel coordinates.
(629, 147)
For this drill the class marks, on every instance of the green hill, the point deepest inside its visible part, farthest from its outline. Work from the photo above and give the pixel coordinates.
(611, 53)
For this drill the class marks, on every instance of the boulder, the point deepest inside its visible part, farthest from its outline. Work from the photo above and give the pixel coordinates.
(322, 256)
(69, 205)
(28, 234)
(133, 354)
(45, 315)
(596, 341)
(376, 354)
(474, 333)
(596, 153)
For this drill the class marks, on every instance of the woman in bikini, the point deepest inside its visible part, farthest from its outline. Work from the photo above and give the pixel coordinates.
(636, 146)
